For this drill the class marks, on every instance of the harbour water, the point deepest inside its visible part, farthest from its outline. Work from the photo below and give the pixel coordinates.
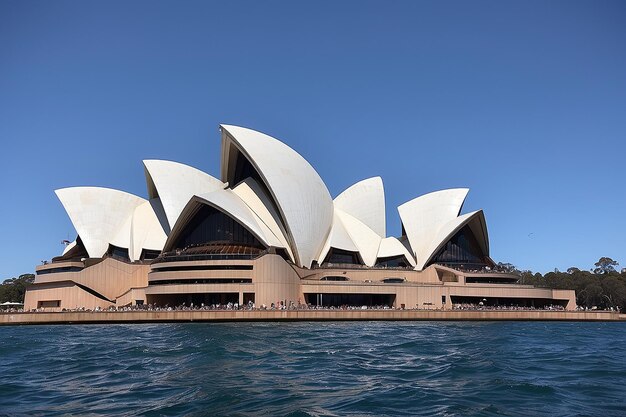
(315, 369)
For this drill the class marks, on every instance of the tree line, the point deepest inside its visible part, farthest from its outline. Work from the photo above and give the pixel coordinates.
(13, 289)
(602, 286)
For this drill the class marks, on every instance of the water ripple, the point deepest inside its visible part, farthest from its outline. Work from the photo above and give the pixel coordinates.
(315, 369)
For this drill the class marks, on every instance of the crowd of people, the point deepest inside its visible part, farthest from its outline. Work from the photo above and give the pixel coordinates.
(481, 306)
(281, 305)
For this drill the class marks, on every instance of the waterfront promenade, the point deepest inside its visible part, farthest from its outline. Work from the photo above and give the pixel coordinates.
(78, 317)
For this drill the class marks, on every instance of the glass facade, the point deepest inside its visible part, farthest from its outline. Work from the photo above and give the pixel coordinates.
(61, 269)
(358, 300)
(393, 262)
(462, 250)
(147, 254)
(121, 254)
(339, 256)
(201, 281)
(244, 169)
(334, 278)
(211, 225)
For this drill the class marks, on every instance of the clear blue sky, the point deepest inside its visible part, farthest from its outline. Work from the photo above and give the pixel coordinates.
(523, 102)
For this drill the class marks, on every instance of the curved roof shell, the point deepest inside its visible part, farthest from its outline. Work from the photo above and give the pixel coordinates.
(103, 216)
(230, 204)
(476, 222)
(391, 247)
(338, 238)
(250, 192)
(424, 216)
(147, 230)
(365, 239)
(175, 183)
(365, 201)
(299, 194)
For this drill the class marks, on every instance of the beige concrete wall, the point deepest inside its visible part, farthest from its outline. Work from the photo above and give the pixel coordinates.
(69, 295)
(131, 296)
(568, 295)
(156, 273)
(275, 280)
(111, 277)
(198, 289)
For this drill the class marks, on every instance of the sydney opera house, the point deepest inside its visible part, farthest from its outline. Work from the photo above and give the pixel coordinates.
(269, 232)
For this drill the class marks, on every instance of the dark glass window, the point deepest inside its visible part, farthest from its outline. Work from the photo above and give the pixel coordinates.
(334, 278)
(393, 262)
(121, 254)
(48, 303)
(61, 269)
(244, 169)
(201, 281)
(393, 280)
(339, 256)
(337, 300)
(148, 254)
(491, 280)
(206, 268)
(211, 225)
(462, 249)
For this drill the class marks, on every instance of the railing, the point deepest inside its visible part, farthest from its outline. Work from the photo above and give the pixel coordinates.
(329, 265)
(173, 256)
(476, 269)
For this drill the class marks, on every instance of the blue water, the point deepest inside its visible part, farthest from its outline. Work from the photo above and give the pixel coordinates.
(315, 369)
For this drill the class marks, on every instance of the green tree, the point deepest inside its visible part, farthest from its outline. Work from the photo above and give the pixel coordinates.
(13, 289)
(507, 267)
(605, 265)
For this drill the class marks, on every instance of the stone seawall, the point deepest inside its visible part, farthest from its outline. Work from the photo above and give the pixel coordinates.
(299, 315)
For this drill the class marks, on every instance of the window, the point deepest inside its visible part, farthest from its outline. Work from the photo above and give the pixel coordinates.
(187, 281)
(339, 256)
(121, 254)
(147, 254)
(393, 280)
(49, 303)
(334, 279)
(211, 225)
(60, 269)
(463, 249)
(392, 262)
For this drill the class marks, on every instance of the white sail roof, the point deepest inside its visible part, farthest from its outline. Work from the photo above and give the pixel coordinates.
(300, 195)
(424, 216)
(104, 216)
(338, 238)
(250, 193)
(391, 247)
(175, 183)
(477, 223)
(228, 202)
(365, 201)
(146, 230)
(365, 239)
